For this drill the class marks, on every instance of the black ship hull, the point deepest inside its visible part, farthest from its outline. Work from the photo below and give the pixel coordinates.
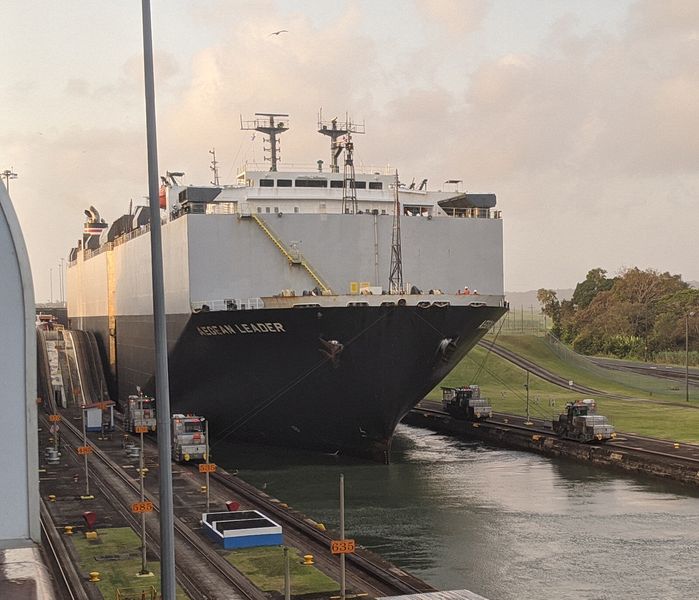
(331, 379)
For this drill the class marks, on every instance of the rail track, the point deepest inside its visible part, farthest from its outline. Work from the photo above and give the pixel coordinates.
(366, 573)
(666, 449)
(677, 374)
(68, 582)
(208, 577)
(542, 373)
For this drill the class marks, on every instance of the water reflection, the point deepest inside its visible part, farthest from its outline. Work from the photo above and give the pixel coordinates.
(505, 524)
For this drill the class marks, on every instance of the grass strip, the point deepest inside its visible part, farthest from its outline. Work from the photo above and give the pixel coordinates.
(116, 555)
(264, 566)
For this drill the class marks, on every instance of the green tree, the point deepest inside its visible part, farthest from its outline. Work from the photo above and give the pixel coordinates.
(595, 282)
(551, 307)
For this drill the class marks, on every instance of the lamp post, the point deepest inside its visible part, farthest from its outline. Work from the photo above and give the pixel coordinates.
(8, 174)
(686, 353)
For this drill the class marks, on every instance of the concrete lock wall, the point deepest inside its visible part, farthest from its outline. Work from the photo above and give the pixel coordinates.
(19, 494)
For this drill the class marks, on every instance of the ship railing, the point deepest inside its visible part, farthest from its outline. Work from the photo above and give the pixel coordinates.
(304, 167)
(88, 254)
(472, 213)
(221, 208)
(134, 233)
(227, 304)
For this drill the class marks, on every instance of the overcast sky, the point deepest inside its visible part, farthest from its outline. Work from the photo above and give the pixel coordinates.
(583, 117)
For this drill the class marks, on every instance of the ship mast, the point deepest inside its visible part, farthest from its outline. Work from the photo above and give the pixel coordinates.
(269, 127)
(214, 166)
(349, 188)
(341, 139)
(395, 279)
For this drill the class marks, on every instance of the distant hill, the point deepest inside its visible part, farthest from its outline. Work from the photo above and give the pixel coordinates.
(527, 299)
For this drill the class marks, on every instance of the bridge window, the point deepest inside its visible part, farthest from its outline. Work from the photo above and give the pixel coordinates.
(360, 185)
(266, 182)
(296, 209)
(312, 183)
(375, 185)
(259, 209)
(276, 209)
(283, 182)
(336, 183)
(266, 209)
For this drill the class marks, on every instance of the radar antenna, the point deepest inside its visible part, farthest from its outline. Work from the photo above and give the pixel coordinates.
(269, 127)
(335, 132)
(214, 166)
(395, 279)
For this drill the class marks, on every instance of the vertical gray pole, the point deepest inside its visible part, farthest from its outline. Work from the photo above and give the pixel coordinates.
(686, 357)
(376, 250)
(208, 450)
(529, 421)
(162, 391)
(141, 465)
(342, 536)
(287, 575)
(87, 495)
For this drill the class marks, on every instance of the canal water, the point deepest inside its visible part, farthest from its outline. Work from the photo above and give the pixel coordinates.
(508, 525)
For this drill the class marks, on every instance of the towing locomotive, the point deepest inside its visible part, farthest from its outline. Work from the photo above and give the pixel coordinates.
(465, 402)
(581, 423)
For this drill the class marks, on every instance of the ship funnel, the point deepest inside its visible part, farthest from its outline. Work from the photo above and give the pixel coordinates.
(93, 228)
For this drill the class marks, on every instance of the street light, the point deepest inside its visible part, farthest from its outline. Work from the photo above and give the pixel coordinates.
(8, 174)
(686, 353)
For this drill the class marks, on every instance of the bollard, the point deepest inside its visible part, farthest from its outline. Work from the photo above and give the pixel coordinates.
(203, 489)
(232, 505)
(68, 529)
(320, 526)
(52, 497)
(677, 445)
(308, 560)
(76, 478)
(94, 576)
(90, 535)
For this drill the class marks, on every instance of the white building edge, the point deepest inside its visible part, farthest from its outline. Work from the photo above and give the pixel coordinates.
(22, 573)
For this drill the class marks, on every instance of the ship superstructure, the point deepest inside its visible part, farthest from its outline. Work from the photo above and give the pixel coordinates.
(280, 325)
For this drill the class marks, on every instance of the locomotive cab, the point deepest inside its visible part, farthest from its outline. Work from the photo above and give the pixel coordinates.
(581, 422)
(188, 438)
(466, 403)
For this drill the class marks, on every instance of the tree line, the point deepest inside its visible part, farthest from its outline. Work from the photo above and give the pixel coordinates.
(635, 314)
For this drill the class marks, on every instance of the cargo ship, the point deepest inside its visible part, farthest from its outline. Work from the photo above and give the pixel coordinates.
(308, 307)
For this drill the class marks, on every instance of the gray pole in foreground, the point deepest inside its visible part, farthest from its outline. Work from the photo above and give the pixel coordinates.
(287, 575)
(162, 391)
(686, 354)
(208, 450)
(526, 385)
(342, 536)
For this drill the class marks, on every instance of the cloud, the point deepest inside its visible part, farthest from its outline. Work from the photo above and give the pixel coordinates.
(456, 16)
